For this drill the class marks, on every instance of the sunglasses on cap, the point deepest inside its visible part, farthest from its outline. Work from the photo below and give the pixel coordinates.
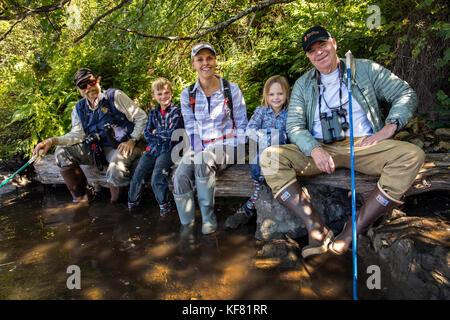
(89, 83)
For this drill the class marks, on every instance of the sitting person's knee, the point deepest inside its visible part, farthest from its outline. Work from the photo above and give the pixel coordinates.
(181, 183)
(62, 158)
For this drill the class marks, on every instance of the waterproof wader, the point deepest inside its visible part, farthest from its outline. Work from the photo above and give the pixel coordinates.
(298, 202)
(376, 206)
(205, 195)
(76, 182)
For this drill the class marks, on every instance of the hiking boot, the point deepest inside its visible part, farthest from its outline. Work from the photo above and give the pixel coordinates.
(240, 217)
(165, 209)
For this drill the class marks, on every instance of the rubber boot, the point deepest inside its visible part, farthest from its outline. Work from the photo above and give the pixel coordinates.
(298, 202)
(76, 182)
(376, 206)
(116, 193)
(205, 195)
(186, 208)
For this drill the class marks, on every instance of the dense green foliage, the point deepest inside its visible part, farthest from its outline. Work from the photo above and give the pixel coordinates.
(39, 56)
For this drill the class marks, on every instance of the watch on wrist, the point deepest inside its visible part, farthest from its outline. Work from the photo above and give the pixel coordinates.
(134, 140)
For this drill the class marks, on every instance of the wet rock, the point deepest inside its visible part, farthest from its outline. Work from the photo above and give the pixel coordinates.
(414, 125)
(443, 146)
(416, 252)
(278, 252)
(402, 135)
(16, 188)
(418, 142)
(442, 132)
(427, 144)
(419, 133)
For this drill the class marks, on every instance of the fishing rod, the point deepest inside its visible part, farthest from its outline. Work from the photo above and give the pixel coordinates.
(349, 59)
(23, 167)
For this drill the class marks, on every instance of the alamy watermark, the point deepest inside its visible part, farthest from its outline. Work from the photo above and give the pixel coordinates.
(232, 148)
(374, 20)
(74, 280)
(374, 280)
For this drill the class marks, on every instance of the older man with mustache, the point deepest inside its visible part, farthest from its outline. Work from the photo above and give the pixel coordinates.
(104, 120)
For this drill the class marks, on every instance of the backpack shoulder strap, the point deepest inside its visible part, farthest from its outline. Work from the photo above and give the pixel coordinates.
(227, 93)
(228, 97)
(192, 93)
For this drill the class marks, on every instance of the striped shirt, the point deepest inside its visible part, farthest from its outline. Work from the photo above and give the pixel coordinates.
(213, 120)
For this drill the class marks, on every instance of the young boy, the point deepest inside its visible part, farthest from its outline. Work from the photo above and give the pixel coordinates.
(162, 122)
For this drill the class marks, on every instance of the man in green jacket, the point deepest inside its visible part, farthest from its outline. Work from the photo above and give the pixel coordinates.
(317, 126)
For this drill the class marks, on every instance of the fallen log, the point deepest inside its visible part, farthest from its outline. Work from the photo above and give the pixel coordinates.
(236, 181)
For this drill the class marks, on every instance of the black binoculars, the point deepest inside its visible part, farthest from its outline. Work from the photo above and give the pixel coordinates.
(110, 135)
(333, 128)
(92, 138)
(92, 142)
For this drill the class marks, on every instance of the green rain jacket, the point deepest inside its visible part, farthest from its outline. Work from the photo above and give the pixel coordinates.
(371, 83)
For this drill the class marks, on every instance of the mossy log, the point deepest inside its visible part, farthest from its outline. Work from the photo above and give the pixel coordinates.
(235, 181)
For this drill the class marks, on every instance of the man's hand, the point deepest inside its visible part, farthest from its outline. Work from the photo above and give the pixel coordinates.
(385, 133)
(323, 160)
(126, 148)
(44, 146)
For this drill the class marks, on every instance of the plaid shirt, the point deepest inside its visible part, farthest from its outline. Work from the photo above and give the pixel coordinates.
(215, 122)
(263, 120)
(160, 141)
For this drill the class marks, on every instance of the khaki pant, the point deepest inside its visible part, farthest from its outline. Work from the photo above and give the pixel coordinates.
(396, 162)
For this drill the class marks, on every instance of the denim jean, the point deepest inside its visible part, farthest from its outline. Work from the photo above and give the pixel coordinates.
(256, 170)
(156, 166)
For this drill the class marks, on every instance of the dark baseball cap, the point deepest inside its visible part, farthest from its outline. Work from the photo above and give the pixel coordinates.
(313, 35)
(81, 75)
(200, 46)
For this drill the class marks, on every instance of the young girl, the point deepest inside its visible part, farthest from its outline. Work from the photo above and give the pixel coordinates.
(267, 126)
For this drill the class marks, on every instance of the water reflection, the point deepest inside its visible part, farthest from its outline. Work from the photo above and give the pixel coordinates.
(142, 256)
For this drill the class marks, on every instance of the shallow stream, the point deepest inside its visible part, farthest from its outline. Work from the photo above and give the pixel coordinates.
(141, 256)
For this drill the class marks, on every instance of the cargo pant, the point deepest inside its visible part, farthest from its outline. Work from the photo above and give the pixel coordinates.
(118, 172)
(396, 162)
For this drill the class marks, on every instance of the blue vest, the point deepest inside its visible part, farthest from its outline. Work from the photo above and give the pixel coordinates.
(106, 112)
